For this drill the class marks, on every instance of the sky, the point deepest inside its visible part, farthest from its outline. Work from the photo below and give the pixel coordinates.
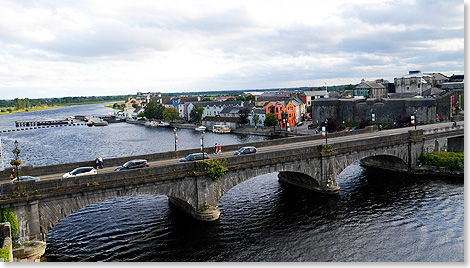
(64, 48)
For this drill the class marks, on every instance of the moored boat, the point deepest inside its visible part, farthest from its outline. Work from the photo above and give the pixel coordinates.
(200, 128)
(221, 129)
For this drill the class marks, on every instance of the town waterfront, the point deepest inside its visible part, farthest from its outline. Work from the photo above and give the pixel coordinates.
(378, 216)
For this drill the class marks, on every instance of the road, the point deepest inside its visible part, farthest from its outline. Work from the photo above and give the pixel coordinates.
(285, 146)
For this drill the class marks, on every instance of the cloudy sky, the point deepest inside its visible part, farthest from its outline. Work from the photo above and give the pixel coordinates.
(83, 48)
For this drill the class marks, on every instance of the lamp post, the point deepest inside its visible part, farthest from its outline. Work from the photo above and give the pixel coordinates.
(176, 137)
(202, 144)
(324, 132)
(16, 152)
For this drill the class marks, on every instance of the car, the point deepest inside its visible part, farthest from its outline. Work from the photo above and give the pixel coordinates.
(246, 150)
(25, 178)
(300, 124)
(194, 157)
(136, 163)
(81, 171)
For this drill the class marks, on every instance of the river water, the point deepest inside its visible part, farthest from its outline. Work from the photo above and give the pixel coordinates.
(377, 217)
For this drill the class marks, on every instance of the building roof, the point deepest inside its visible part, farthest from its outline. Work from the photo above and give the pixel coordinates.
(439, 76)
(218, 103)
(369, 84)
(315, 93)
(416, 73)
(432, 92)
(231, 110)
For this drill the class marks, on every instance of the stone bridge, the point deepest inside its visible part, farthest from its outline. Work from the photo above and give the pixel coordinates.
(39, 206)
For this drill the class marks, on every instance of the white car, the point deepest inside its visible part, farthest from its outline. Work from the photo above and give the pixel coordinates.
(25, 178)
(81, 171)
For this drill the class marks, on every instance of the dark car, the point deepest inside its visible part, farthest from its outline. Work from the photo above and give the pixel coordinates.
(25, 178)
(246, 150)
(137, 163)
(194, 157)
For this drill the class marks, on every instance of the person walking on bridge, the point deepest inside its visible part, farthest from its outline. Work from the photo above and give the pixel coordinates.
(219, 149)
(215, 148)
(100, 161)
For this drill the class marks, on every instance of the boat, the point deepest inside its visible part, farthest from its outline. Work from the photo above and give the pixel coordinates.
(200, 128)
(163, 124)
(97, 122)
(221, 129)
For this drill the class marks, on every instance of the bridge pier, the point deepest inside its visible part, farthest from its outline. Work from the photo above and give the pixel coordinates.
(205, 213)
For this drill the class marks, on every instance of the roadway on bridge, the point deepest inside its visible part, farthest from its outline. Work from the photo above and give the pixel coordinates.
(284, 146)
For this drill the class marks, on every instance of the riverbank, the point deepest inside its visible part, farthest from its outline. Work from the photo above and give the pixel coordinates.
(12, 110)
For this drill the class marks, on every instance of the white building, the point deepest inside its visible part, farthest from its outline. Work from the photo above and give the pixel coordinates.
(414, 82)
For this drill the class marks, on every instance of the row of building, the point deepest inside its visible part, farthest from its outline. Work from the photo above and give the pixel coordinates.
(291, 107)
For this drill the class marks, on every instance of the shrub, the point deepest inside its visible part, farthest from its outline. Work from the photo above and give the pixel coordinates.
(5, 253)
(214, 168)
(445, 159)
(9, 216)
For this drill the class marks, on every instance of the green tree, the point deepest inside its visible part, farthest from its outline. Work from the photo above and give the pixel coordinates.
(255, 118)
(250, 97)
(170, 113)
(196, 114)
(271, 120)
(243, 116)
(154, 110)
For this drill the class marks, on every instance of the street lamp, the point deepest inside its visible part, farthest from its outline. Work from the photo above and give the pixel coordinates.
(202, 144)
(324, 133)
(17, 161)
(176, 137)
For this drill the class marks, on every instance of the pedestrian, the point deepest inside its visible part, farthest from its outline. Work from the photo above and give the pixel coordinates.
(100, 161)
(215, 148)
(219, 149)
(97, 163)
(12, 176)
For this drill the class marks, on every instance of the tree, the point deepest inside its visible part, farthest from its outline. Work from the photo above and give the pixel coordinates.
(332, 125)
(243, 114)
(250, 97)
(196, 114)
(255, 119)
(170, 113)
(364, 123)
(271, 120)
(154, 110)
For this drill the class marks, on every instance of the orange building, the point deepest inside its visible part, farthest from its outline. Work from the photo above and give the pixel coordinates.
(280, 107)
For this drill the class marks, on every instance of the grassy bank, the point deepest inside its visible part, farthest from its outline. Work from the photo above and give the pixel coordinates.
(10, 110)
(445, 159)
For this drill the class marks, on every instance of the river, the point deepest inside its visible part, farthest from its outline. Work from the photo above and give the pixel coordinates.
(377, 216)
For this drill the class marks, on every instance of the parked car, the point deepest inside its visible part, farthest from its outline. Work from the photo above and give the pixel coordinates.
(25, 178)
(81, 171)
(137, 163)
(246, 150)
(194, 157)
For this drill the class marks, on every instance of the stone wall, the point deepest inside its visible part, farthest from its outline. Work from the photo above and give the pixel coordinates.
(385, 110)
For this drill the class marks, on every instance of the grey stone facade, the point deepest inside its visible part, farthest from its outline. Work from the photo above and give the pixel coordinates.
(386, 110)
